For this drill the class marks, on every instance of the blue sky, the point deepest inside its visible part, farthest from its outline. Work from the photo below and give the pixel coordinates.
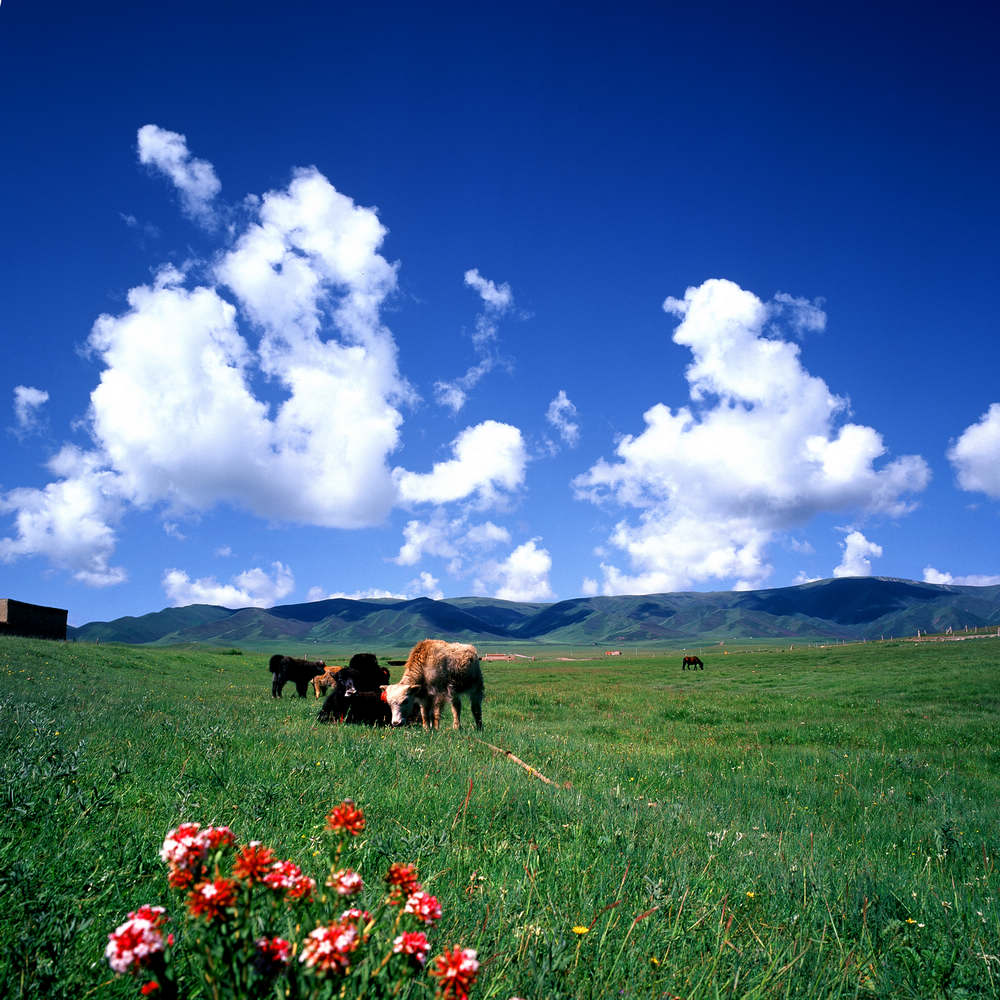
(526, 301)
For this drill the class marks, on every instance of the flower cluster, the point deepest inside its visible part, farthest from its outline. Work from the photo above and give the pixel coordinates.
(345, 882)
(424, 907)
(346, 818)
(186, 851)
(135, 943)
(402, 882)
(456, 971)
(212, 899)
(414, 944)
(329, 948)
(287, 877)
(253, 862)
(248, 913)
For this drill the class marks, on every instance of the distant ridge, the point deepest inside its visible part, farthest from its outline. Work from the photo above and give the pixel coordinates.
(843, 608)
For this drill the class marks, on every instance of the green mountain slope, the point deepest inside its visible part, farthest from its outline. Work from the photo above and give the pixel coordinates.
(149, 628)
(846, 608)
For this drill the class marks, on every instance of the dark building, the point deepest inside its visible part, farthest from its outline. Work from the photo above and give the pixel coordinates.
(18, 618)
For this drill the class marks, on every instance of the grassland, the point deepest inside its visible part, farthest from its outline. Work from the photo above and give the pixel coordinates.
(787, 823)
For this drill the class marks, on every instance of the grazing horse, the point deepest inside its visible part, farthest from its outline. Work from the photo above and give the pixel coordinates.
(693, 662)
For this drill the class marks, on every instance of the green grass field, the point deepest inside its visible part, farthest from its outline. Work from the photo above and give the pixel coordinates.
(786, 823)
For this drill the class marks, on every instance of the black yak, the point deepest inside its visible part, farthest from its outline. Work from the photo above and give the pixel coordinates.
(290, 668)
(356, 694)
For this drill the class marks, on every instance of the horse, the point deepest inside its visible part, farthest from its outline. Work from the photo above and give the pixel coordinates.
(693, 662)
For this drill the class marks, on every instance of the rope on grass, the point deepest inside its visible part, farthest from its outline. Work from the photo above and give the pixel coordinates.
(533, 771)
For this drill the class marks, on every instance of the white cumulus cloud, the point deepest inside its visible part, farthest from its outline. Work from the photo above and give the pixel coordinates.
(371, 594)
(759, 451)
(858, 554)
(194, 179)
(27, 402)
(451, 538)
(272, 385)
(932, 575)
(424, 585)
(434, 537)
(253, 588)
(522, 576)
(489, 461)
(975, 456)
(176, 412)
(561, 414)
(71, 522)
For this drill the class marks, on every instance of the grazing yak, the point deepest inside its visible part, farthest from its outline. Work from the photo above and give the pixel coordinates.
(357, 694)
(434, 672)
(291, 668)
(693, 662)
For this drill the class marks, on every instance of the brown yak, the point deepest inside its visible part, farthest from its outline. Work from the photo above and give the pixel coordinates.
(435, 672)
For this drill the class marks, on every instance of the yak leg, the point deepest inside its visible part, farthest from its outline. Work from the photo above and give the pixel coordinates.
(456, 711)
(436, 710)
(476, 704)
(302, 687)
(276, 685)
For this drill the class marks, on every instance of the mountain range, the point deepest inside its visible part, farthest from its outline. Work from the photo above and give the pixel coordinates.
(847, 608)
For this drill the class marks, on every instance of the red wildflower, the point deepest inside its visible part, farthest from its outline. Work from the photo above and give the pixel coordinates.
(402, 882)
(346, 818)
(424, 907)
(414, 944)
(181, 844)
(328, 948)
(151, 987)
(218, 836)
(252, 862)
(346, 882)
(287, 876)
(456, 972)
(135, 942)
(180, 878)
(186, 845)
(210, 899)
(272, 954)
(302, 888)
(184, 850)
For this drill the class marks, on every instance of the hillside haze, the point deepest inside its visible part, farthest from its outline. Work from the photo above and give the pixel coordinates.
(851, 608)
